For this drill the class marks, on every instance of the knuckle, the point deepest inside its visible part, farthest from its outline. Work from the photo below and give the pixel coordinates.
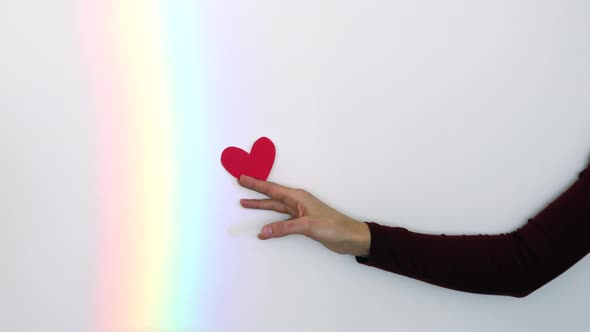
(285, 209)
(301, 192)
(278, 207)
(289, 227)
(255, 185)
(271, 191)
(251, 203)
(305, 224)
(279, 228)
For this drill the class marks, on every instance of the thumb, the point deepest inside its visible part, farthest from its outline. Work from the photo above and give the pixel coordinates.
(282, 228)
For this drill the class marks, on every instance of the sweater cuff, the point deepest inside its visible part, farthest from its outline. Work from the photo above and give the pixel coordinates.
(382, 253)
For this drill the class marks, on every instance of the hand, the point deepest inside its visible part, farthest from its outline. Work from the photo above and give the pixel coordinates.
(309, 217)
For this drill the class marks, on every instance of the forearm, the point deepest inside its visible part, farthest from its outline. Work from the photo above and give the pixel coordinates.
(513, 264)
(487, 264)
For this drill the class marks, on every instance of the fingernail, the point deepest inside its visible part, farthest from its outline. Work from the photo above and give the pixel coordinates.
(267, 230)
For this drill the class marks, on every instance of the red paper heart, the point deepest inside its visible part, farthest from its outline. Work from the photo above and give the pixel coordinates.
(257, 163)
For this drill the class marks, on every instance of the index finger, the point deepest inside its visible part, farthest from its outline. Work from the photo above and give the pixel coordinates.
(270, 189)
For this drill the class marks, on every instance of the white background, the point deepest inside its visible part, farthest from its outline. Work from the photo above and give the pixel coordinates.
(462, 117)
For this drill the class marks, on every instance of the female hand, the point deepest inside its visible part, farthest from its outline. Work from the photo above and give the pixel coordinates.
(309, 217)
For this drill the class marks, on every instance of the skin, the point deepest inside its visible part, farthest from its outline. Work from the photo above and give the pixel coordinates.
(309, 217)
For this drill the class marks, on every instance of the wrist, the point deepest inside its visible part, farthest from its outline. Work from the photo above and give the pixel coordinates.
(363, 240)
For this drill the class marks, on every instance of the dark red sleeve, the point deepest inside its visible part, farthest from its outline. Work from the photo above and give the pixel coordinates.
(512, 264)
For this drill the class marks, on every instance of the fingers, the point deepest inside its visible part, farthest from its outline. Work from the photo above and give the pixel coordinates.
(284, 228)
(268, 204)
(275, 191)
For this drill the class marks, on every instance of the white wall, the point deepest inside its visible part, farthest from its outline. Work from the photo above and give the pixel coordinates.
(462, 116)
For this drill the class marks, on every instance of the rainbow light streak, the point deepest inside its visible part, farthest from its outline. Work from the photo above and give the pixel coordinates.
(147, 71)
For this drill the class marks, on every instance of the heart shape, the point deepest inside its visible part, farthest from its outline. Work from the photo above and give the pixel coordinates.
(257, 163)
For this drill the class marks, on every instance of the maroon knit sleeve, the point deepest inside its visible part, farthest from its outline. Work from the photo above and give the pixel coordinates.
(513, 264)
